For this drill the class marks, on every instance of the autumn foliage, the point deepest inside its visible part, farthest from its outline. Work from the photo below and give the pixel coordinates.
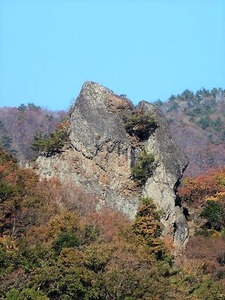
(211, 185)
(204, 196)
(54, 244)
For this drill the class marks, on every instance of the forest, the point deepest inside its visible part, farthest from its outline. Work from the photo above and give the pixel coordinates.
(50, 251)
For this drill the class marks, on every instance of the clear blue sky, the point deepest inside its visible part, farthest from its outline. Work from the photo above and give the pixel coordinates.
(144, 49)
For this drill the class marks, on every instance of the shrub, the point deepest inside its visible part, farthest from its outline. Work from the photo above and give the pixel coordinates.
(65, 240)
(25, 294)
(141, 125)
(214, 213)
(49, 144)
(175, 106)
(143, 168)
(221, 259)
(204, 122)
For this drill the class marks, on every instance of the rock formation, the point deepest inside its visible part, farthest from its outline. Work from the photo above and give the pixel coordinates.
(101, 154)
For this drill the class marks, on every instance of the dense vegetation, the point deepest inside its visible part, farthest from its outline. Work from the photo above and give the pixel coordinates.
(52, 252)
(70, 251)
(204, 195)
(18, 126)
(197, 123)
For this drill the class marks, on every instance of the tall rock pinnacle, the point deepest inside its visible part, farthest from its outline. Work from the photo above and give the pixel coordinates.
(102, 153)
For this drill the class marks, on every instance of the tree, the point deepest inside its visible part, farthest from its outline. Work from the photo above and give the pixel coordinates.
(187, 95)
(143, 168)
(5, 139)
(49, 144)
(140, 125)
(25, 294)
(214, 213)
(22, 107)
(65, 240)
(147, 225)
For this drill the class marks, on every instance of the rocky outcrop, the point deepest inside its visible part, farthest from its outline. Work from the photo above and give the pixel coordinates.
(101, 154)
(162, 186)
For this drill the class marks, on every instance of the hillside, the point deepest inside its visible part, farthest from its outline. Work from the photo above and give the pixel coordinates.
(100, 215)
(52, 252)
(18, 126)
(197, 124)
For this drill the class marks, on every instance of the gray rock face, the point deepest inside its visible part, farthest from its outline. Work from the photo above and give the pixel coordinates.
(162, 186)
(101, 154)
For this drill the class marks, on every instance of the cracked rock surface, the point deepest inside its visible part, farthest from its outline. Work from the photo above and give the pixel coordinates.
(101, 154)
(162, 186)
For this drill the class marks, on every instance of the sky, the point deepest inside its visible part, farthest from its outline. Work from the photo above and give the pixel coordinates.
(146, 49)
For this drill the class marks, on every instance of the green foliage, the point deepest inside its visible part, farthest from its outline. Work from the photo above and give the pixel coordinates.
(65, 240)
(205, 195)
(143, 168)
(8, 259)
(204, 108)
(158, 103)
(5, 139)
(209, 289)
(218, 124)
(204, 122)
(25, 294)
(140, 125)
(91, 233)
(172, 98)
(187, 95)
(53, 254)
(30, 106)
(22, 107)
(214, 213)
(49, 144)
(6, 142)
(175, 106)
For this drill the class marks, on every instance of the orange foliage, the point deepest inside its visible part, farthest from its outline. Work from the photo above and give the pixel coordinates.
(169, 243)
(63, 125)
(108, 221)
(195, 190)
(62, 222)
(202, 254)
(69, 196)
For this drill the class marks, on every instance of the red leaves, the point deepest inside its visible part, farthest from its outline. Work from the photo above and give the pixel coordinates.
(196, 190)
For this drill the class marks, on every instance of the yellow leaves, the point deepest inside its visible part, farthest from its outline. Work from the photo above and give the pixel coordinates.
(219, 196)
(200, 188)
(148, 226)
(71, 256)
(63, 125)
(8, 243)
(169, 244)
(66, 221)
(63, 222)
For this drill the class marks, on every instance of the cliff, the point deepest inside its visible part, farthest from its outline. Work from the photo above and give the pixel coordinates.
(102, 152)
